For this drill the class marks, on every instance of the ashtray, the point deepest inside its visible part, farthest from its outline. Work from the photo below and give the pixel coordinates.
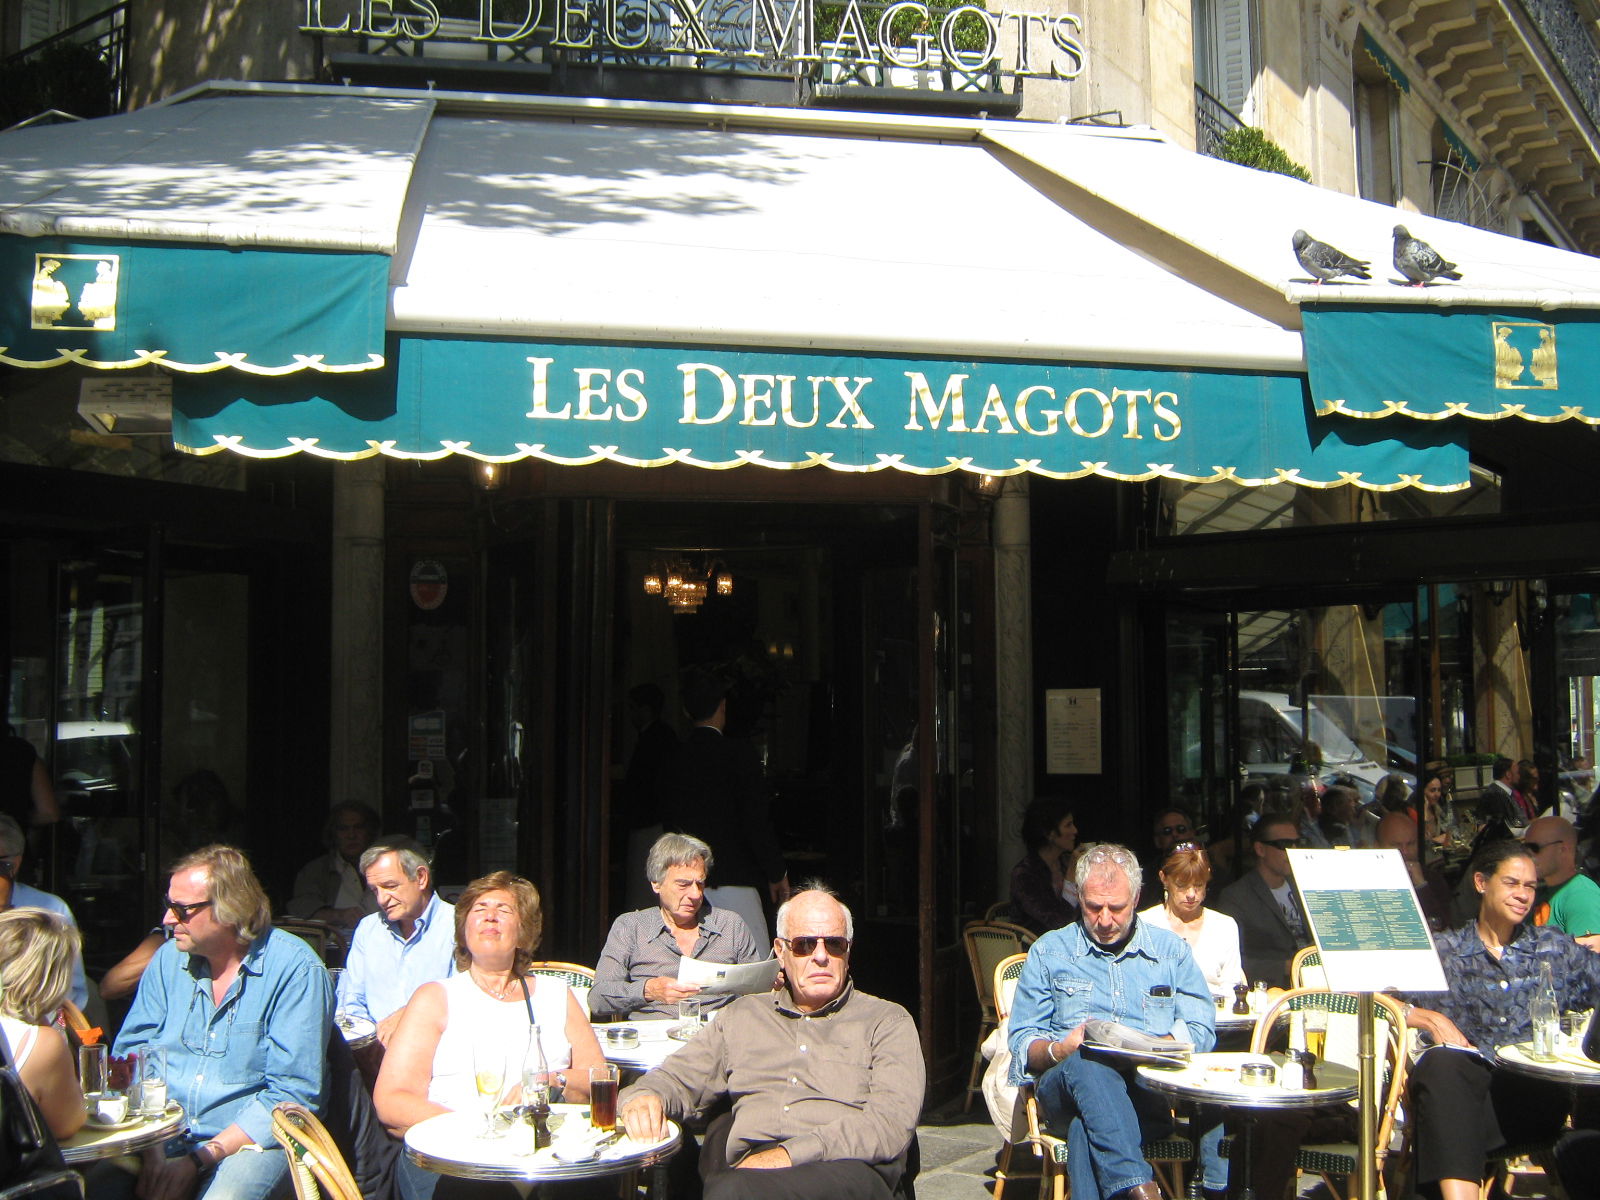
(1257, 1074)
(620, 1036)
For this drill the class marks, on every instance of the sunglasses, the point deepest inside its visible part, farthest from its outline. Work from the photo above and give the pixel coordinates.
(1284, 843)
(184, 912)
(1169, 830)
(805, 947)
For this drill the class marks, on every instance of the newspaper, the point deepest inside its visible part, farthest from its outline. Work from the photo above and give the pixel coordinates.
(742, 979)
(1112, 1036)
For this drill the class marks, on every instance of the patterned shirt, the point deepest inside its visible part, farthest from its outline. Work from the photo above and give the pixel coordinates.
(1489, 999)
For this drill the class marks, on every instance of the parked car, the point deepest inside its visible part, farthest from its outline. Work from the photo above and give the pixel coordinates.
(1270, 739)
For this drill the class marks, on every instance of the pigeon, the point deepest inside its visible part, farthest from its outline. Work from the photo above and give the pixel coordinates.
(1418, 261)
(1324, 262)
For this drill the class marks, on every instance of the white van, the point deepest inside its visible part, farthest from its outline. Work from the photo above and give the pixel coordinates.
(1269, 740)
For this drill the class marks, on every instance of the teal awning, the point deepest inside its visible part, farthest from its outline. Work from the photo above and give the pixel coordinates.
(1432, 363)
(1386, 64)
(717, 407)
(112, 305)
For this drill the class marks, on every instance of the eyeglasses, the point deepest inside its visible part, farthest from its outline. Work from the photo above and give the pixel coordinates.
(1284, 843)
(805, 947)
(184, 912)
(1169, 830)
(1535, 847)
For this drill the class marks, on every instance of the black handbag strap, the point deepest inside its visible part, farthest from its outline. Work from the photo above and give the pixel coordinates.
(527, 1000)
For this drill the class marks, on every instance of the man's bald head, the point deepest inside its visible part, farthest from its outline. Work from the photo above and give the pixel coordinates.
(1397, 831)
(1553, 844)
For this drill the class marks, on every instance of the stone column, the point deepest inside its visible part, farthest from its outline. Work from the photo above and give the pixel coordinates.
(355, 735)
(1013, 660)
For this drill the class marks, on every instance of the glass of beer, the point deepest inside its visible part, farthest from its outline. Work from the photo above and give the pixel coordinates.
(603, 1096)
(1317, 1032)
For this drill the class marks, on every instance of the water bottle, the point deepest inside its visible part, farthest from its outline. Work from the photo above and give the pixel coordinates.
(1546, 1015)
(536, 1089)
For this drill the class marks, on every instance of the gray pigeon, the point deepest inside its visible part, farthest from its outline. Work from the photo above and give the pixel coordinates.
(1418, 261)
(1324, 262)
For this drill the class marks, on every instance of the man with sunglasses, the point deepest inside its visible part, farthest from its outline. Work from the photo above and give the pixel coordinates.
(1568, 901)
(826, 1081)
(1172, 825)
(243, 1012)
(1265, 903)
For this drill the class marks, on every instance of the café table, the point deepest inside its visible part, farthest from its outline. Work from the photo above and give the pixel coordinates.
(453, 1144)
(1569, 1066)
(655, 1041)
(94, 1142)
(1212, 1080)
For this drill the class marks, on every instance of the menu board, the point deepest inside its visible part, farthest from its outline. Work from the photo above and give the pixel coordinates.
(1072, 731)
(1366, 921)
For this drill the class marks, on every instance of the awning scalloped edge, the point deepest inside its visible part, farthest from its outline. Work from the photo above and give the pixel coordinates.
(226, 360)
(757, 458)
(1454, 408)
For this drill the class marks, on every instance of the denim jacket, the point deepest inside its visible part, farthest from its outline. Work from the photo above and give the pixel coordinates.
(265, 1043)
(1069, 979)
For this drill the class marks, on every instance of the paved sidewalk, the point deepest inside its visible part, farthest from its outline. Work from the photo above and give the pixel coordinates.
(958, 1156)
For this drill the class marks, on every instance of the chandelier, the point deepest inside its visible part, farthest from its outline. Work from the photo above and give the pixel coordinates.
(684, 584)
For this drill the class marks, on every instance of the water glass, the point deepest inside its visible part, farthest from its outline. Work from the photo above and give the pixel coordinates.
(689, 1010)
(489, 1077)
(152, 1076)
(93, 1062)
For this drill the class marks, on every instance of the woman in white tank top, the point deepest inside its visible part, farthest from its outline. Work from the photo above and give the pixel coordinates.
(37, 950)
(428, 1065)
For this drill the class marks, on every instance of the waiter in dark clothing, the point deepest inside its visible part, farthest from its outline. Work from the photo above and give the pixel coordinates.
(715, 790)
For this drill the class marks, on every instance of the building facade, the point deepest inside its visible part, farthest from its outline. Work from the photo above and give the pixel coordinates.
(224, 644)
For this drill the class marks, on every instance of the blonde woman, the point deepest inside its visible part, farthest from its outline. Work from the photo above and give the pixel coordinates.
(37, 950)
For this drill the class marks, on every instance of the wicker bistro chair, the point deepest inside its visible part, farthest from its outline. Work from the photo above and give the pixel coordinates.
(1337, 1162)
(327, 941)
(1005, 986)
(315, 1164)
(576, 976)
(988, 943)
(1305, 971)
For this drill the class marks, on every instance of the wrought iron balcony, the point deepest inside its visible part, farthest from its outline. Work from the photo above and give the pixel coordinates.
(81, 71)
(1571, 43)
(1212, 119)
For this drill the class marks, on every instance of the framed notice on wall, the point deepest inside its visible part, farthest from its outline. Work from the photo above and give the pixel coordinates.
(1366, 921)
(1072, 731)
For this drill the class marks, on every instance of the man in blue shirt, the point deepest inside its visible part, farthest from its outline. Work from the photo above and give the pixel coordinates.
(408, 942)
(243, 1011)
(13, 848)
(1111, 966)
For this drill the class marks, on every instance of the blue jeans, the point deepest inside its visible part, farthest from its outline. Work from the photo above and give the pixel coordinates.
(1108, 1118)
(246, 1175)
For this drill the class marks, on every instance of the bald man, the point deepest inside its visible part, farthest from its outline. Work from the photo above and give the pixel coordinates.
(1397, 831)
(1568, 901)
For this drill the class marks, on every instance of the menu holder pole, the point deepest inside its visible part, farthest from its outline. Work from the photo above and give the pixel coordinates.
(1367, 1096)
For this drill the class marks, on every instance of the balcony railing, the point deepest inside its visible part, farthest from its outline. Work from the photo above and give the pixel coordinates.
(1212, 119)
(1570, 40)
(81, 71)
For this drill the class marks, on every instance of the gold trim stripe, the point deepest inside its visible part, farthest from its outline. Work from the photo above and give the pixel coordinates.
(226, 360)
(1454, 408)
(757, 458)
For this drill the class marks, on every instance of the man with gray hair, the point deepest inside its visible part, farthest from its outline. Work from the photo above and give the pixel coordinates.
(826, 1081)
(408, 942)
(637, 974)
(1108, 966)
(13, 849)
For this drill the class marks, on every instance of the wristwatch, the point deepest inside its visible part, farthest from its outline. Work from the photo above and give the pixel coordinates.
(200, 1161)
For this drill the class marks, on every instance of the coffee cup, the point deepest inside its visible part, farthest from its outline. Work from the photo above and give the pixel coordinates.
(111, 1108)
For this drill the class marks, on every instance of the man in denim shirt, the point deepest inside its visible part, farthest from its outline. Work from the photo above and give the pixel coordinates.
(1108, 966)
(243, 1011)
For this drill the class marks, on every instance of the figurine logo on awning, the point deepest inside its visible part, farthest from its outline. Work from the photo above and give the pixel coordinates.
(1524, 355)
(75, 291)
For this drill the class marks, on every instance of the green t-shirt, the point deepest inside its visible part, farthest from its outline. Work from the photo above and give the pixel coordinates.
(1575, 907)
